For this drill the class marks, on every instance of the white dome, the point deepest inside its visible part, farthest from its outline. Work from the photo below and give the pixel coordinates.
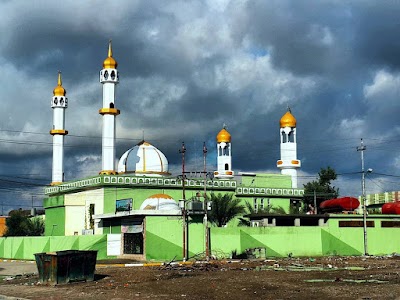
(159, 202)
(143, 159)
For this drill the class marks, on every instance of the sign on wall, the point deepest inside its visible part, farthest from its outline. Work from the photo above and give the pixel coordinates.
(113, 244)
(123, 205)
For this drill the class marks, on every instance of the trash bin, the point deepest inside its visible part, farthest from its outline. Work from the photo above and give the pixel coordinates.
(66, 266)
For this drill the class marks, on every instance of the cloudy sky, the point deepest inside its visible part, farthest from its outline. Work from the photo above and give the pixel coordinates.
(188, 67)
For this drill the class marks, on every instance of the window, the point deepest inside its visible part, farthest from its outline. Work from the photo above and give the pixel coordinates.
(255, 205)
(226, 167)
(262, 203)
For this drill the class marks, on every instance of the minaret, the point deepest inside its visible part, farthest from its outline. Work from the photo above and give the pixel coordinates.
(59, 103)
(224, 155)
(288, 162)
(109, 78)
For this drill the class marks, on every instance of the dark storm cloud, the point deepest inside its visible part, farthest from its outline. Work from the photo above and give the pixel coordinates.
(188, 67)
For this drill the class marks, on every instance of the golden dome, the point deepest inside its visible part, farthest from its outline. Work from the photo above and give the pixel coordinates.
(110, 62)
(59, 90)
(288, 120)
(223, 136)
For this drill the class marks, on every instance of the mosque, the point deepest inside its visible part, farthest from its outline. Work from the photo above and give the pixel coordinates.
(137, 196)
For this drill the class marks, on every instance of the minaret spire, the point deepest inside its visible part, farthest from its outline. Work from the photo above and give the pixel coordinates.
(59, 82)
(288, 162)
(109, 49)
(59, 103)
(109, 77)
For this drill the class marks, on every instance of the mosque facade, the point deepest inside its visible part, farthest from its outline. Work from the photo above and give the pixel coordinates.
(128, 198)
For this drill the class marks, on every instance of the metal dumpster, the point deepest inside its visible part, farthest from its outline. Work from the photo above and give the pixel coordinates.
(66, 266)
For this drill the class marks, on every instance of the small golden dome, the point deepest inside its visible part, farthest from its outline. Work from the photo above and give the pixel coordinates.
(223, 136)
(288, 120)
(59, 90)
(110, 62)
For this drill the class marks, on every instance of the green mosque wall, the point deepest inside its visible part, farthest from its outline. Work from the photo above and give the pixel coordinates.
(55, 216)
(26, 247)
(164, 238)
(54, 201)
(164, 235)
(272, 180)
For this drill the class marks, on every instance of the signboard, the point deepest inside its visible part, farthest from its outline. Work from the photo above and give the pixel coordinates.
(123, 205)
(113, 244)
(131, 226)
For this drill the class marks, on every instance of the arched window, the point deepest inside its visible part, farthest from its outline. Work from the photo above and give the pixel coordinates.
(226, 167)
(111, 105)
(290, 137)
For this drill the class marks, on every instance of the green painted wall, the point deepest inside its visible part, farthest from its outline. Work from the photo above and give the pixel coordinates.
(138, 196)
(164, 241)
(278, 241)
(164, 237)
(268, 180)
(26, 247)
(54, 201)
(111, 226)
(55, 216)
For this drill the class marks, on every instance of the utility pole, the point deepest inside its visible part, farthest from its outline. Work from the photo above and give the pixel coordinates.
(182, 151)
(205, 202)
(315, 203)
(362, 148)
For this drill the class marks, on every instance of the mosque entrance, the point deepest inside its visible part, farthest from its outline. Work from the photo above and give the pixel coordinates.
(133, 243)
(132, 236)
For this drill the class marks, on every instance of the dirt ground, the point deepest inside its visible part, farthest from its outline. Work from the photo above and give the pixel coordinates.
(289, 278)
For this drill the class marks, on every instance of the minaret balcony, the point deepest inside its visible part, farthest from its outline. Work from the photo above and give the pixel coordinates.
(283, 164)
(58, 132)
(109, 111)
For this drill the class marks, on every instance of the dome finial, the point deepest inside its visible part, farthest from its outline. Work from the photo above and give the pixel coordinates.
(110, 62)
(109, 49)
(59, 90)
(59, 82)
(288, 109)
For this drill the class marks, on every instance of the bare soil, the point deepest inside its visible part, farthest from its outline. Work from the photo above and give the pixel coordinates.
(289, 278)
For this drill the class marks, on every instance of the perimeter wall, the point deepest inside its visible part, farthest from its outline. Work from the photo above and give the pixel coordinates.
(165, 242)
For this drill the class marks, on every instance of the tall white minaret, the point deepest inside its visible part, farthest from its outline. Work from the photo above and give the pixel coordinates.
(59, 103)
(224, 155)
(109, 78)
(288, 162)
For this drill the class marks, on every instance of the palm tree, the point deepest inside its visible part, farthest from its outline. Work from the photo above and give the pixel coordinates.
(224, 208)
(35, 226)
(270, 209)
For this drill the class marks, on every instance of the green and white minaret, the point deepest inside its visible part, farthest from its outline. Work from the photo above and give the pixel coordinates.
(59, 103)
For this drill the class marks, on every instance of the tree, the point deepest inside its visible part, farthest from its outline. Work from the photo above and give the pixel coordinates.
(322, 188)
(224, 208)
(16, 224)
(19, 224)
(35, 226)
(269, 209)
